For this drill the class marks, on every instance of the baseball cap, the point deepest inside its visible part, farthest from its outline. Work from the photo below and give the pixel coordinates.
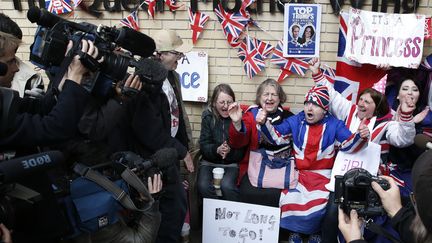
(169, 40)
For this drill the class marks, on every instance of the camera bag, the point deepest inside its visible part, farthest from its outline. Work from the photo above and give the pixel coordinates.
(97, 200)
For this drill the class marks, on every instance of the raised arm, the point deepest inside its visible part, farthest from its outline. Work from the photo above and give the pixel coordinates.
(339, 105)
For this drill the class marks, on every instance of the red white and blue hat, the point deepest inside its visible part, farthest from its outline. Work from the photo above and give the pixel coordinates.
(319, 95)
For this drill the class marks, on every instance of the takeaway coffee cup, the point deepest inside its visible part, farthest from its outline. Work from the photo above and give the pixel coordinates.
(185, 233)
(217, 176)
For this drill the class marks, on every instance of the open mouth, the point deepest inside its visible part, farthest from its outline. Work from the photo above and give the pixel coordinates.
(309, 115)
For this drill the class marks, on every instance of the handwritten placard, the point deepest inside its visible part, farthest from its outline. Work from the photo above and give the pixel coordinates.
(193, 71)
(368, 159)
(387, 39)
(234, 222)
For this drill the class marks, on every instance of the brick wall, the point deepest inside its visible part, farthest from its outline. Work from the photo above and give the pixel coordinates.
(224, 65)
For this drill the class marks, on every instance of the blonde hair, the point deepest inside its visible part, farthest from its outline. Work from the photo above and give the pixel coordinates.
(8, 42)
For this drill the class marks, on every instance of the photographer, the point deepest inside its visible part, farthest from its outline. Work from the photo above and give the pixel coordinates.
(59, 123)
(413, 222)
(25, 130)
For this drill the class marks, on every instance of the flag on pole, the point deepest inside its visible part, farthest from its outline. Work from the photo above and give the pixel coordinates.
(131, 21)
(197, 21)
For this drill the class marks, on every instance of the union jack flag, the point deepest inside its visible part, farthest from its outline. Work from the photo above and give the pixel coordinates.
(250, 56)
(151, 4)
(232, 23)
(58, 6)
(352, 77)
(197, 21)
(263, 47)
(298, 66)
(173, 5)
(131, 21)
(329, 73)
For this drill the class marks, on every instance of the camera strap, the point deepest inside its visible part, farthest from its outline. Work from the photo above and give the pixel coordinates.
(377, 229)
(119, 194)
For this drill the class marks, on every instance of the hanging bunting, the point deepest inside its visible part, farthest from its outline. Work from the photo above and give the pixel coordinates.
(131, 21)
(151, 4)
(58, 6)
(263, 48)
(232, 23)
(298, 66)
(174, 5)
(252, 59)
(197, 21)
(283, 74)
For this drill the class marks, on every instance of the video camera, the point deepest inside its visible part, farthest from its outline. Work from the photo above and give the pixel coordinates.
(161, 162)
(354, 191)
(54, 33)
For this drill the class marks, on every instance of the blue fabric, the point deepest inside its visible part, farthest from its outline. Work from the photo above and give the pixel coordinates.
(275, 163)
(95, 207)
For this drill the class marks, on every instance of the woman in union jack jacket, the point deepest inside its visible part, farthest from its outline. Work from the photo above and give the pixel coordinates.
(316, 135)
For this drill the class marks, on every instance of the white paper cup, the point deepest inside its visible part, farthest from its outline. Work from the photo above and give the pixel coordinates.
(185, 233)
(217, 176)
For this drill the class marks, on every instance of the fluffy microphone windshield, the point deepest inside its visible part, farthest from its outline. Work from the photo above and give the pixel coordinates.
(151, 71)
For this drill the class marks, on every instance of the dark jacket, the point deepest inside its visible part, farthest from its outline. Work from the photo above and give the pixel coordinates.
(145, 126)
(214, 132)
(60, 124)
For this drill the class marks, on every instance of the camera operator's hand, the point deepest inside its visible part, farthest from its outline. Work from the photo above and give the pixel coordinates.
(350, 225)
(154, 186)
(189, 162)
(131, 86)
(5, 234)
(76, 69)
(390, 199)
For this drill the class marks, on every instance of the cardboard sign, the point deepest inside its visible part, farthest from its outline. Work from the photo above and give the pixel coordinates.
(368, 159)
(387, 39)
(302, 24)
(193, 70)
(234, 222)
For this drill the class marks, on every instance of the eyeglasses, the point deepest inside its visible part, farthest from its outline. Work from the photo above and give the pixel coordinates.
(266, 95)
(227, 103)
(179, 55)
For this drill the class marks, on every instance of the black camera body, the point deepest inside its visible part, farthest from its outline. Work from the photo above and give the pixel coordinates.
(354, 191)
(54, 33)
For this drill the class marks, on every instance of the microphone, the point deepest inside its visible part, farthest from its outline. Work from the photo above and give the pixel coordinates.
(42, 17)
(150, 71)
(11, 170)
(423, 141)
(164, 158)
(135, 42)
(3, 68)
